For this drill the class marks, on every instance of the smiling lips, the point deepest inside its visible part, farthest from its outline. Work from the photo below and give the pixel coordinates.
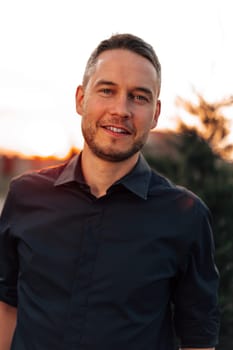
(117, 130)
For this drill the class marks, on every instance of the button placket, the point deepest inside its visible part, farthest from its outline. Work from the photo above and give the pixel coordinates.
(83, 279)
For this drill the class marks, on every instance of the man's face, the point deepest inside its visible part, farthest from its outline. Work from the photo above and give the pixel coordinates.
(119, 105)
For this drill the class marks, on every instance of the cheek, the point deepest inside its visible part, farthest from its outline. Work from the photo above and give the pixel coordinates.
(93, 108)
(145, 122)
(153, 123)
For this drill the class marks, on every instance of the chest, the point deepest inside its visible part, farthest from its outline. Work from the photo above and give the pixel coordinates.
(121, 249)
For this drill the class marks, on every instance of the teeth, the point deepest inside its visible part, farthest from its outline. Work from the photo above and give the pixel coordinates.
(117, 130)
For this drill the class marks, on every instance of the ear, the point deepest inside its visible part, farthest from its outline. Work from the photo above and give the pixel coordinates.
(156, 115)
(79, 96)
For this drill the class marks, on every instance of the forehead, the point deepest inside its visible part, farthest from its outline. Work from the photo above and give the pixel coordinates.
(122, 64)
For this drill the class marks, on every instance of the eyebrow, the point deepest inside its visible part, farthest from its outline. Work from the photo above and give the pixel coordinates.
(137, 88)
(105, 82)
(145, 90)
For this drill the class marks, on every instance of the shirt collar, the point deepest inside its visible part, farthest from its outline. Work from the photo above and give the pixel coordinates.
(137, 181)
(71, 172)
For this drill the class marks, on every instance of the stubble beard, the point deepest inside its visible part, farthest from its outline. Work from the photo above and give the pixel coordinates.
(109, 153)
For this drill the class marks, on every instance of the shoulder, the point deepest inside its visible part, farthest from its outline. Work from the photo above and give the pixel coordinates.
(179, 197)
(30, 191)
(41, 179)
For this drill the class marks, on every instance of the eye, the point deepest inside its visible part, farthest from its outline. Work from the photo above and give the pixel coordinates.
(139, 98)
(106, 91)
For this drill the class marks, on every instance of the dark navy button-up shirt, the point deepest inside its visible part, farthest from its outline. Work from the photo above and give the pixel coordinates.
(121, 272)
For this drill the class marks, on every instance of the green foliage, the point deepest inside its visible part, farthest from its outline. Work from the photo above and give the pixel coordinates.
(201, 167)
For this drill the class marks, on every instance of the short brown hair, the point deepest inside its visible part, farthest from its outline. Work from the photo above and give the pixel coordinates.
(123, 41)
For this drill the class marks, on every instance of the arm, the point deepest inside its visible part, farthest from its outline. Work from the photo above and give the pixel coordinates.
(7, 325)
(196, 311)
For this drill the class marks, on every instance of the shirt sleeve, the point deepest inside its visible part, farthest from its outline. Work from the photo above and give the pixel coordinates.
(196, 313)
(8, 255)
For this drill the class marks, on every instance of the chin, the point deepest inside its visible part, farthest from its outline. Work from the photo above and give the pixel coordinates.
(115, 156)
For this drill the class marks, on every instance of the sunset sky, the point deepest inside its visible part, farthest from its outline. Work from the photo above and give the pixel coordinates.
(45, 45)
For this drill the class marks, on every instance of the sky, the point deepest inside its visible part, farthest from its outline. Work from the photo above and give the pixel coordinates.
(45, 45)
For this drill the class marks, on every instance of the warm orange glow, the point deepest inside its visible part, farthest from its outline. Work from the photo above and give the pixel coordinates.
(41, 138)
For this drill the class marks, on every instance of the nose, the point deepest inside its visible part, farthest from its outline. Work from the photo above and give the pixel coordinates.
(121, 106)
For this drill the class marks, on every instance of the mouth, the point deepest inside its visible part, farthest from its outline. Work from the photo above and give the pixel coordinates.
(117, 130)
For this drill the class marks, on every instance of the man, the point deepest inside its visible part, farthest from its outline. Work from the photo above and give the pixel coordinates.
(103, 253)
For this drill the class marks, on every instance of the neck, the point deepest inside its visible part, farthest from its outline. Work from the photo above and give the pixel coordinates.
(100, 174)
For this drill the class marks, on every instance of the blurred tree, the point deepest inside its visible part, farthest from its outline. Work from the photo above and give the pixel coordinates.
(213, 125)
(201, 166)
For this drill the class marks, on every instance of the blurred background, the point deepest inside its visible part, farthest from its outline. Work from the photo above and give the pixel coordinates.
(44, 48)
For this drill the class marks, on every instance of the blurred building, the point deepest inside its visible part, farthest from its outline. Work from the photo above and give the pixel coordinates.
(162, 144)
